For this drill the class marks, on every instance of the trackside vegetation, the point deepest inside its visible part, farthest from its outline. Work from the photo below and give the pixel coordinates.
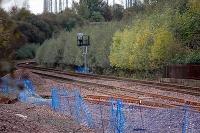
(63, 50)
(149, 37)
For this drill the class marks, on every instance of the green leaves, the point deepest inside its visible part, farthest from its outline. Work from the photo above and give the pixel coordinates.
(168, 36)
(96, 17)
(28, 51)
(162, 49)
(101, 39)
(186, 28)
(148, 44)
(193, 57)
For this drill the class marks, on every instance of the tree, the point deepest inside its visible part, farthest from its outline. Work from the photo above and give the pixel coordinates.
(186, 27)
(106, 12)
(82, 10)
(27, 51)
(90, 9)
(68, 19)
(52, 20)
(40, 24)
(118, 12)
(163, 49)
(64, 49)
(96, 17)
(10, 37)
(31, 32)
(146, 45)
(20, 14)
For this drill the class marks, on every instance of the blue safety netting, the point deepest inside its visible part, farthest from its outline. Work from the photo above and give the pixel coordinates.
(113, 116)
(116, 117)
(29, 86)
(81, 69)
(102, 118)
(71, 103)
(173, 120)
(8, 86)
(117, 121)
(27, 95)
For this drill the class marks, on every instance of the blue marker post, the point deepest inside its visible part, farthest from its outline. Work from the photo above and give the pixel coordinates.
(185, 120)
(55, 99)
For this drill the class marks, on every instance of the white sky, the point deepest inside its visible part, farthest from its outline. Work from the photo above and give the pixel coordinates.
(36, 6)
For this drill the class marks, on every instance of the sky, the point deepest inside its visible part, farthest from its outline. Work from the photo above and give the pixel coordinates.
(36, 6)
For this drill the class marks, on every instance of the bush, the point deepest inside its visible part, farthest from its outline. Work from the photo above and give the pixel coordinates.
(147, 44)
(64, 49)
(96, 17)
(163, 48)
(186, 29)
(31, 32)
(187, 57)
(193, 58)
(28, 51)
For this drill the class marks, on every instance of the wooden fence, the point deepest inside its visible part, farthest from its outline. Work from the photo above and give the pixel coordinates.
(187, 71)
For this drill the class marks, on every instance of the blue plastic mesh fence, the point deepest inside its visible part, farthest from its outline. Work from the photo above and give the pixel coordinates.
(191, 120)
(143, 119)
(114, 116)
(71, 103)
(81, 106)
(117, 116)
(4, 89)
(55, 100)
(81, 69)
(108, 117)
(185, 120)
(29, 86)
(8, 86)
(28, 95)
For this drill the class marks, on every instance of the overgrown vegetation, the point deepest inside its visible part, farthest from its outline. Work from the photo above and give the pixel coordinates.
(168, 35)
(20, 27)
(27, 51)
(64, 49)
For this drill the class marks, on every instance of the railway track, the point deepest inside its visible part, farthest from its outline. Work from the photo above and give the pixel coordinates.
(161, 86)
(120, 93)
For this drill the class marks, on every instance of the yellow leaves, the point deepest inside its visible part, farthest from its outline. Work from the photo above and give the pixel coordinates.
(130, 46)
(143, 46)
(117, 39)
(6, 29)
(143, 36)
(161, 50)
(195, 5)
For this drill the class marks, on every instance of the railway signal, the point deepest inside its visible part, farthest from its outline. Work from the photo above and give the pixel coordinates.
(83, 41)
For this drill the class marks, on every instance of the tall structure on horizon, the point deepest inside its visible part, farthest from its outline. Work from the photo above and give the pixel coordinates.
(56, 8)
(26, 4)
(130, 3)
(45, 6)
(55, 5)
(60, 5)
